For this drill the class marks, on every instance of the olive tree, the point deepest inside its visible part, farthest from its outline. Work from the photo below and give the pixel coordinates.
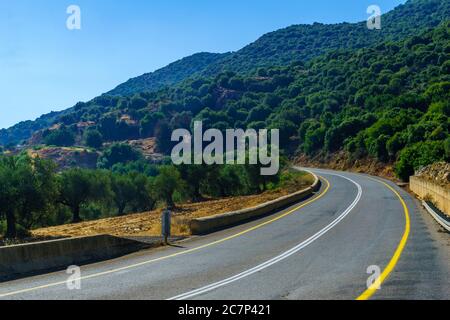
(27, 189)
(78, 187)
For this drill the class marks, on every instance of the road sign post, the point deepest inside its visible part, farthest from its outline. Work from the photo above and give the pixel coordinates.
(166, 225)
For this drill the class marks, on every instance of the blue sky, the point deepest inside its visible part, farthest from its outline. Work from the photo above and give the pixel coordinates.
(45, 67)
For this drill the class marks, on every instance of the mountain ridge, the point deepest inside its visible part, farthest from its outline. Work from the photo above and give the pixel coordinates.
(167, 75)
(277, 48)
(264, 51)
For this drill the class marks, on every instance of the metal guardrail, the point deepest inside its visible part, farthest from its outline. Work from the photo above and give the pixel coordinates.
(437, 216)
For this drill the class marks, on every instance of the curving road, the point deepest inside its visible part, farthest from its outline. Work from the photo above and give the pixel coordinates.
(319, 249)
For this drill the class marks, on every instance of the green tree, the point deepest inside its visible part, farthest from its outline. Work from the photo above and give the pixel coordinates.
(132, 190)
(447, 148)
(77, 187)
(144, 196)
(62, 137)
(166, 183)
(377, 147)
(118, 153)
(194, 175)
(9, 193)
(93, 138)
(233, 180)
(418, 155)
(314, 139)
(259, 113)
(138, 103)
(149, 122)
(108, 126)
(395, 144)
(124, 191)
(438, 92)
(40, 191)
(27, 189)
(163, 135)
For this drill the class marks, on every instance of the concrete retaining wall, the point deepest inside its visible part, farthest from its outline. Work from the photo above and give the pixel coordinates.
(439, 195)
(34, 258)
(217, 222)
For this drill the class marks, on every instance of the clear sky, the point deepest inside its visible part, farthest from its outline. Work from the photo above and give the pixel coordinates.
(44, 66)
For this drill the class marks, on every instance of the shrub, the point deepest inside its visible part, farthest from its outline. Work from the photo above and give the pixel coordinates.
(93, 139)
(62, 137)
(118, 153)
(447, 149)
(418, 155)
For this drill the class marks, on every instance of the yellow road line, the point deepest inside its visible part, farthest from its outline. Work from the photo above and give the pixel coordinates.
(392, 264)
(179, 253)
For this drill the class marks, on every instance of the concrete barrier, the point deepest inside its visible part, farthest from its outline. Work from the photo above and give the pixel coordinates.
(440, 195)
(34, 258)
(210, 224)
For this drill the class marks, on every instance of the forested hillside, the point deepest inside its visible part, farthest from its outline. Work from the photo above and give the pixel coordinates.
(304, 42)
(389, 102)
(297, 43)
(172, 74)
(279, 48)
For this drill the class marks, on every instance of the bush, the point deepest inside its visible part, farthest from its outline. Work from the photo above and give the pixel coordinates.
(166, 183)
(118, 153)
(93, 139)
(138, 103)
(62, 137)
(314, 140)
(2, 227)
(418, 155)
(163, 135)
(447, 149)
(27, 190)
(79, 187)
(395, 144)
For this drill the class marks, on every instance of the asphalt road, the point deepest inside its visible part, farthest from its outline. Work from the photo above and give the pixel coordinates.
(319, 249)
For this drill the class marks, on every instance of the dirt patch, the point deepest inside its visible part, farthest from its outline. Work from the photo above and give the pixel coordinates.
(147, 224)
(66, 158)
(342, 161)
(147, 147)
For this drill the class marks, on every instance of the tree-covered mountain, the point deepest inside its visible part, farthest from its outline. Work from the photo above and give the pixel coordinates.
(382, 96)
(389, 102)
(304, 42)
(172, 74)
(296, 43)
(169, 75)
(279, 48)
(22, 131)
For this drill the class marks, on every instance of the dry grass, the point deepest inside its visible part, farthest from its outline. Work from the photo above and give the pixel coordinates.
(148, 223)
